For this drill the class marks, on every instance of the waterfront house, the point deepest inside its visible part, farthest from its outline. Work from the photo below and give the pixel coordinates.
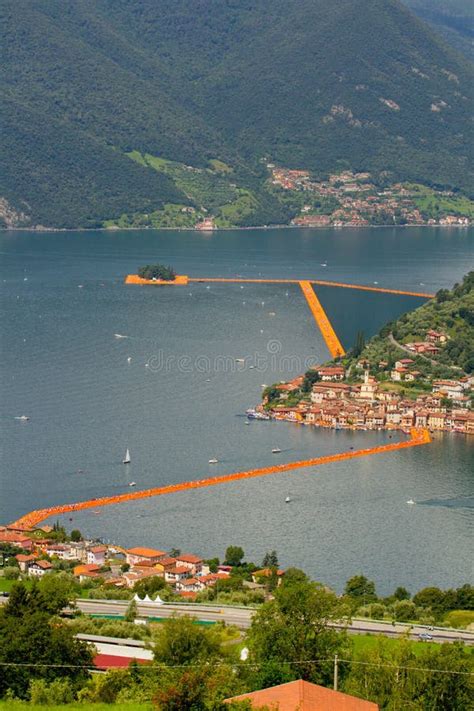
(135, 555)
(436, 420)
(39, 568)
(96, 555)
(421, 418)
(393, 418)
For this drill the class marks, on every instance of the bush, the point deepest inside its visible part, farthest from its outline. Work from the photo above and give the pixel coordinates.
(57, 692)
(404, 611)
(11, 573)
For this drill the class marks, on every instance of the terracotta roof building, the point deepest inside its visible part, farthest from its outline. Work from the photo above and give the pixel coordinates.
(303, 696)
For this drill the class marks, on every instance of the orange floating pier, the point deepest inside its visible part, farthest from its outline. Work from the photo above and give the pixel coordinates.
(418, 437)
(184, 279)
(378, 289)
(333, 343)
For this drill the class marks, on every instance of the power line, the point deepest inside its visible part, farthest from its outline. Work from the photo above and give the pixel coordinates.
(150, 667)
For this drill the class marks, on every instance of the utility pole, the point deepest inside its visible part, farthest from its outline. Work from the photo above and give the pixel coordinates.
(336, 670)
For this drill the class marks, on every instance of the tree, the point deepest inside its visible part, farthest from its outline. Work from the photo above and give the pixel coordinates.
(361, 589)
(150, 585)
(401, 593)
(294, 576)
(213, 564)
(181, 642)
(11, 572)
(292, 630)
(234, 555)
(132, 611)
(157, 271)
(404, 610)
(76, 535)
(311, 377)
(359, 344)
(432, 598)
(270, 560)
(27, 633)
(183, 694)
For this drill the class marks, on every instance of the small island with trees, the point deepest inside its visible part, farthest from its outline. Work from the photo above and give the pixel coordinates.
(156, 274)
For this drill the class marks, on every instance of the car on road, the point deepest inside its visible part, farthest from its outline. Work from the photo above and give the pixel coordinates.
(425, 637)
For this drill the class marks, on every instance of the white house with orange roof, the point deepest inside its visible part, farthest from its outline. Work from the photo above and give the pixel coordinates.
(96, 555)
(135, 555)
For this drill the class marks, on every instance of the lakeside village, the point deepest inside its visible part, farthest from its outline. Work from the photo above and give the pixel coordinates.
(368, 396)
(351, 199)
(47, 549)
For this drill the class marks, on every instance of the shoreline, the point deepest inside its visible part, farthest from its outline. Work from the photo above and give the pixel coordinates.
(41, 230)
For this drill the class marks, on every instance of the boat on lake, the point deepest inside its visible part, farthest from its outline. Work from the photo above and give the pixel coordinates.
(213, 461)
(276, 450)
(126, 459)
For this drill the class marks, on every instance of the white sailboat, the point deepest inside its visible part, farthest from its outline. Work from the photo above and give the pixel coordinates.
(126, 459)
(213, 461)
(276, 450)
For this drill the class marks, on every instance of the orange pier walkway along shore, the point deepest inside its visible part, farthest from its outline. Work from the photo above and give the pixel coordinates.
(333, 343)
(418, 437)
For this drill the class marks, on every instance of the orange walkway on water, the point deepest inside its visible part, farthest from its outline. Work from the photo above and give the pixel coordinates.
(333, 343)
(379, 289)
(418, 437)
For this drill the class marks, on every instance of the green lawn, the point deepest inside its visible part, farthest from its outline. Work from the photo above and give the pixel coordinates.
(6, 585)
(23, 706)
(365, 642)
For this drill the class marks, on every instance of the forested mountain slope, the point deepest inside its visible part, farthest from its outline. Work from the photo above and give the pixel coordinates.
(359, 84)
(452, 19)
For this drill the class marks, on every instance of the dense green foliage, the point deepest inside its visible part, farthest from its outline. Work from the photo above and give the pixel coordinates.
(452, 19)
(29, 634)
(157, 271)
(451, 312)
(218, 85)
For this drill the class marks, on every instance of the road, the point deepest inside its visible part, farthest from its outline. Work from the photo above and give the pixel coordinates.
(241, 618)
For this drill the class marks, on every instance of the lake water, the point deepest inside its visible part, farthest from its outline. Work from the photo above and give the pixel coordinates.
(63, 299)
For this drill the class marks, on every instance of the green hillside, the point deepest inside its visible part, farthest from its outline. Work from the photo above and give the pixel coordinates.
(451, 312)
(452, 19)
(315, 85)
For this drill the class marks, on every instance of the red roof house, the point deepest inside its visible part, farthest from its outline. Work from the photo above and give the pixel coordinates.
(303, 696)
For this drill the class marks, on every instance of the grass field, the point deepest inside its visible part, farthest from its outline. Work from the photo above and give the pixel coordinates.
(459, 618)
(365, 642)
